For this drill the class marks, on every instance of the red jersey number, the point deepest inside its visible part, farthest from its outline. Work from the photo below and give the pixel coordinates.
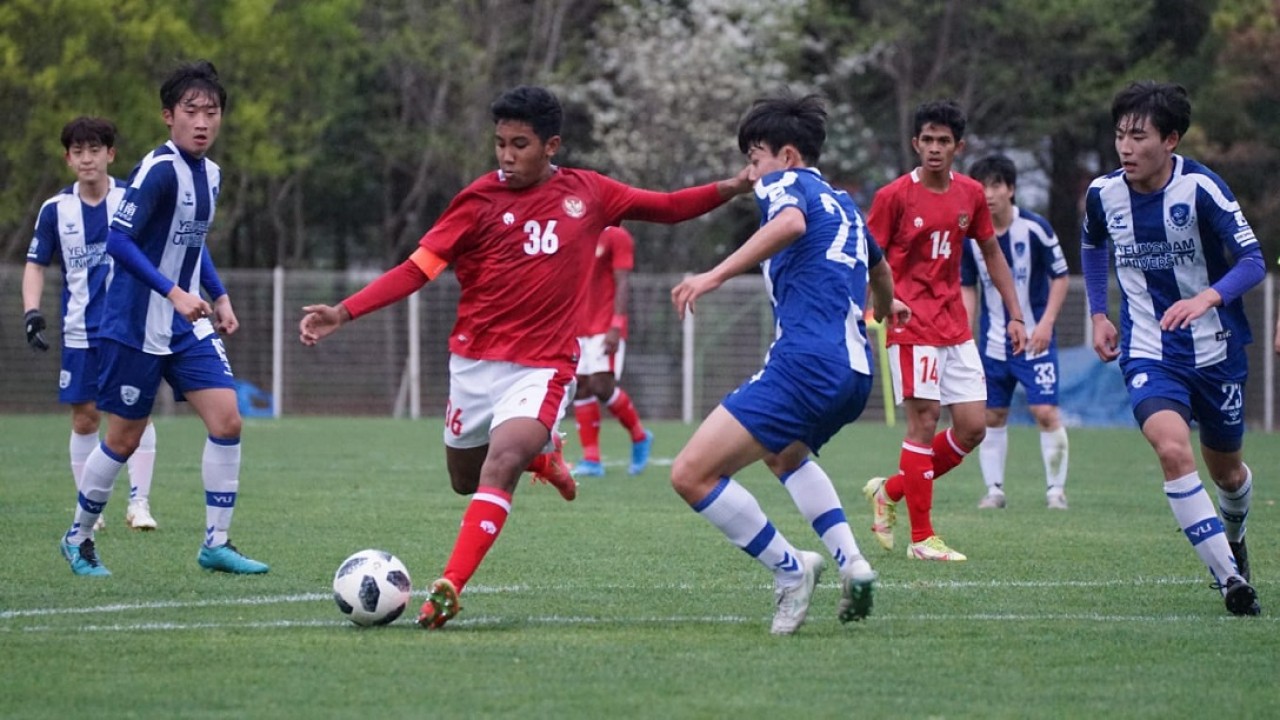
(928, 370)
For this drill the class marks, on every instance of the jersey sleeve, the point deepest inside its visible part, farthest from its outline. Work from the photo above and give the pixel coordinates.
(1093, 234)
(981, 227)
(623, 202)
(883, 215)
(621, 248)
(448, 237)
(151, 186)
(45, 241)
(1218, 209)
(1047, 246)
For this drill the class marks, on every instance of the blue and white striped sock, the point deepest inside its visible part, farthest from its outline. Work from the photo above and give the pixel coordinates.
(816, 499)
(734, 510)
(97, 481)
(220, 468)
(1195, 514)
(1234, 507)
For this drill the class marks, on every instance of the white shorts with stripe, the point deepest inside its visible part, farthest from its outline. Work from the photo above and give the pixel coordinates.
(593, 359)
(949, 374)
(483, 394)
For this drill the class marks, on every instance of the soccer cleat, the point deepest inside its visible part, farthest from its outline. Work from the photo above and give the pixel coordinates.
(441, 605)
(1240, 597)
(138, 515)
(640, 454)
(100, 524)
(884, 513)
(793, 602)
(83, 558)
(1056, 500)
(856, 589)
(556, 472)
(226, 558)
(932, 548)
(1241, 553)
(588, 468)
(992, 501)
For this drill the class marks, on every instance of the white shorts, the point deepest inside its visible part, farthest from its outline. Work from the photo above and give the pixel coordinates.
(483, 394)
(950, 374)
(593, 359)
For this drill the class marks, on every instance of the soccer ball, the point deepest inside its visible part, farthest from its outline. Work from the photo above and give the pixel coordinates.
(371, 587)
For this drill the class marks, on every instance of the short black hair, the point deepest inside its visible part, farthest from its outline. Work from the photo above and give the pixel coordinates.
(995, 167)
(200, 76)
(537, 106)
(1166, 104)
(940, 112)
(86, 130)
(786, 119)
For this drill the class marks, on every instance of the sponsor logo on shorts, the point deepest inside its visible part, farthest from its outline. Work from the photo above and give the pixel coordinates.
(1139, 380)
(64, 379)
(129, 394)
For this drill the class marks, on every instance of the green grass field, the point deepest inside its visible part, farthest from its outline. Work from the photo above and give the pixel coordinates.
(623, 603)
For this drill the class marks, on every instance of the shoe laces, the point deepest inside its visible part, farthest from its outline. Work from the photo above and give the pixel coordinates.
(89, 554)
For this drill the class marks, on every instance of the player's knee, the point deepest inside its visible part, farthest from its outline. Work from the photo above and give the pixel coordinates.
(85, 423)
(970, 437)
(226, 425)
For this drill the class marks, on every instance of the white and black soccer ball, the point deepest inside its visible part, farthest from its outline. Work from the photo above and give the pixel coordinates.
(371, 587)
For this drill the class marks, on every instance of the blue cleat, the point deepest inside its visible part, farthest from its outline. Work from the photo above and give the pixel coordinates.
(226, 558)
(640, 454)
(588, 468)
(83, 558)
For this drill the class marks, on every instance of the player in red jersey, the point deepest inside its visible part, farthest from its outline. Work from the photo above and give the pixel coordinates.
(519, 240)
(921, 221)
(604, 351)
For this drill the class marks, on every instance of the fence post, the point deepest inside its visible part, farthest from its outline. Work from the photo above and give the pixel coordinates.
(277, 341)
(686, 370)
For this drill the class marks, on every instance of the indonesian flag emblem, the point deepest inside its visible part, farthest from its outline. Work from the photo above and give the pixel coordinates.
(963, 220)
(574, 207)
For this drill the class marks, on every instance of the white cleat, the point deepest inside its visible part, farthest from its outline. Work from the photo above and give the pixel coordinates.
(138, 515)
(1056, 500)
(992, 501)
(793, 602)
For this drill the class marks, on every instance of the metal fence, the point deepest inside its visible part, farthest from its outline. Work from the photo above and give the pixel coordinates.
(370, 367)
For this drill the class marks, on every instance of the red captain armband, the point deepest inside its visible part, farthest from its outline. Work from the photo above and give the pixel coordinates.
(428, 262)
(620, 322)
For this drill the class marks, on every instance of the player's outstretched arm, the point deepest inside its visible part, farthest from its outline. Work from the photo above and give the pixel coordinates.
(321, 321)
(885, 308)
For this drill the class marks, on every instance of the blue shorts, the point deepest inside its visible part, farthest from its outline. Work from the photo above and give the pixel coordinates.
(1213, 394)
(78, 379)
(129, 378)
(807, 399)
(1039, 376)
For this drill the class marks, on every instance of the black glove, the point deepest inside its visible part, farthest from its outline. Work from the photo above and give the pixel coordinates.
(35, 330)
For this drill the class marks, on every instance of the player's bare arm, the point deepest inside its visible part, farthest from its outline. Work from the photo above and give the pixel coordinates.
(224, 316)
(886, 308)
(1043, 334)
(192, 307)
(739, 184)
(1182, 313)
(1106, 340)
(778, 233)
(1002, 278)
(321, 321)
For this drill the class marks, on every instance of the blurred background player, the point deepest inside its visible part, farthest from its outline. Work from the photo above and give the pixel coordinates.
(73, 226)
(921, 221)
(155, 325)
(519, 240)
(1184, 256)
(1040, 277)
(813, 246)
(604, 351)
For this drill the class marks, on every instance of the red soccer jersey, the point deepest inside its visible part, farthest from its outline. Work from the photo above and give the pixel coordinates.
(615, 250)
(523, 258)
(922, 233)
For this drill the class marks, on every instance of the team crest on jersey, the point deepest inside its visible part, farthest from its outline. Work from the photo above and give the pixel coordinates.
(963, 220)
(574, 207)
(1019, 249)
(1179, 216)
(508, 218)
(129, 394)
(918, 222)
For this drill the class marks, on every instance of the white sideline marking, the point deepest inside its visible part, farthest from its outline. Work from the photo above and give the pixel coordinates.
(495, 589)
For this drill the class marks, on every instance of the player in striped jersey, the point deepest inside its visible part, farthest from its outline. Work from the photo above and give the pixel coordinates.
(73, 226)
(1039, 274)
(156, 325)
(1184, 255)
(818, 261)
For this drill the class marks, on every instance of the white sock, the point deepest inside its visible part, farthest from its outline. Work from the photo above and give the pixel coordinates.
(1054, 450)
(142, 464)
(80, 447)
(991, 457)
(734, 510)
(1195, 514)
(1234, 507)
(96, 483)
(815, 496)
(221, 470)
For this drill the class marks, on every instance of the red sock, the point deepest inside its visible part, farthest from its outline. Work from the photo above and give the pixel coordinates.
(587, 414)
(917, 479)
(481, 524)
(621, 407)
(947, 453)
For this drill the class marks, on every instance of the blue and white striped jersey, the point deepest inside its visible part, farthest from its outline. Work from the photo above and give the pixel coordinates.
(1031, 249)
(77, 232)
(1168, 246)
(167, 210)
(818, 284)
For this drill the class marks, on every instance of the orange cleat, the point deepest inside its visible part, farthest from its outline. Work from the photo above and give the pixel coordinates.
(556, 473)
(441, 605)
